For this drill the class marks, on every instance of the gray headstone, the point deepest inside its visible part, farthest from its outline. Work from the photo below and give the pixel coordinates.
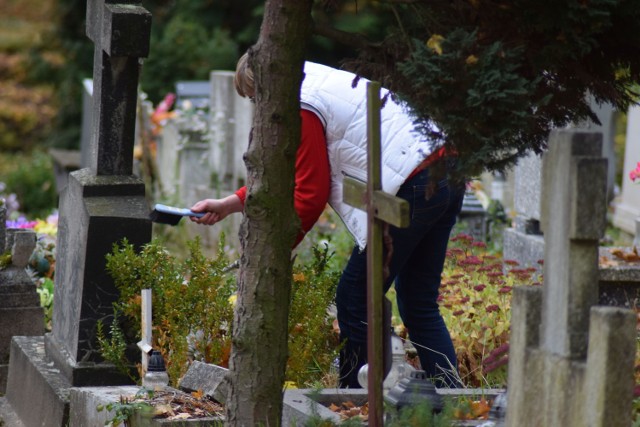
(196, 92)
(24, 242)
(528, 182)
(524, 242)
(231, 117)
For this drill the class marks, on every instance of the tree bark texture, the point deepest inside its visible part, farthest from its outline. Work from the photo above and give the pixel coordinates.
(268, 231)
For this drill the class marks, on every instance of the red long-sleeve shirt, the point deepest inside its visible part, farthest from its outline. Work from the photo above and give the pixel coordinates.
(312, 179)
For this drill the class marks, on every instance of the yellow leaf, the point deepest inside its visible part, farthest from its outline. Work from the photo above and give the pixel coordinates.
(298, 277)
(435, 43)
(197, 394)
(471, 59)
(232, 299)
(163, 409)
(290, 384)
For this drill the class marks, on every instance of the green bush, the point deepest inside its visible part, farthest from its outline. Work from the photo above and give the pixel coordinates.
(313, 344)
(32, 180)
(193, 309)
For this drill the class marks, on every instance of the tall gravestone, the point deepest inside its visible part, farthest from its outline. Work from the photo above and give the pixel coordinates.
(571, 361)
(103, 203)
(100, 206)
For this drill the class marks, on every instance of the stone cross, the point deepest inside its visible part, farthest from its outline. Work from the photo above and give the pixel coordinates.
(120, 30)
(571, 362)
(380, 207)
(103, 203)
(146, 341)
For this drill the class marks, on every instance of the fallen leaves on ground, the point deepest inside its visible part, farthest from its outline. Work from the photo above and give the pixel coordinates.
(475, 410)
(348, 410)
(627, 256)
(176, 405)
(619, 257)
(470, 410)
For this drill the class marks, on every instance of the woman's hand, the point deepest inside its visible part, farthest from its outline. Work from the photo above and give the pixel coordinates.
(216, 209)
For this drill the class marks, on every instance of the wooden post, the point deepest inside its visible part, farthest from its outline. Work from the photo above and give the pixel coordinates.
(145, 344)
(381, 208)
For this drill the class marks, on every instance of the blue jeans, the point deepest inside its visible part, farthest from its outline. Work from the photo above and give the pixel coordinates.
(416, 266)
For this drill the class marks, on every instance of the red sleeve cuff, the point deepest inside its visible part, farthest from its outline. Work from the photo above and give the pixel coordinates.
(242, 194)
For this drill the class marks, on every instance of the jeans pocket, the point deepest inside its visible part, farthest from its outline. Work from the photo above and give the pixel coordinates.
(429, 205)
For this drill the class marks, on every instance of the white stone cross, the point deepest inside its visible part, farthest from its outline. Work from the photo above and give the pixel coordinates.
(145, 343)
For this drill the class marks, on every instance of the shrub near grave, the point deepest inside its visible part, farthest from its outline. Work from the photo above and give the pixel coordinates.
(475, 301)
(193, 309)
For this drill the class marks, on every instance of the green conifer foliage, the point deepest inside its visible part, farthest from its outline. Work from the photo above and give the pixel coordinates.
(495, 76)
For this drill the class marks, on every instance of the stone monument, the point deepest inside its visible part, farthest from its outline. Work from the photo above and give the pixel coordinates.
(570, 361)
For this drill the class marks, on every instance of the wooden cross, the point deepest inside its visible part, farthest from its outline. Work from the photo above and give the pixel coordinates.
(381, 208)
(120, 31)
(145, 344)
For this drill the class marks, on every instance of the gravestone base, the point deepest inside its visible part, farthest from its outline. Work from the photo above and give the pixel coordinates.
(37, 393)
(97, 212)
(81, 374)
(16, 321)
(85, 401)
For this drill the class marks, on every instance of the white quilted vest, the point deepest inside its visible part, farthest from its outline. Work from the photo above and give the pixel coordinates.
(342, 109)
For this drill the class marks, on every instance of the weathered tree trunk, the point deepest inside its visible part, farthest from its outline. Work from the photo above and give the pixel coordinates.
(259, 351)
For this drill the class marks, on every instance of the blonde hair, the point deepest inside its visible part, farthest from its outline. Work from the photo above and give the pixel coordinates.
(243, 79)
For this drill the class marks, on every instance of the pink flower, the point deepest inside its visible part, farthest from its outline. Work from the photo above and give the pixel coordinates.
(165, 104)
(634, 175)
